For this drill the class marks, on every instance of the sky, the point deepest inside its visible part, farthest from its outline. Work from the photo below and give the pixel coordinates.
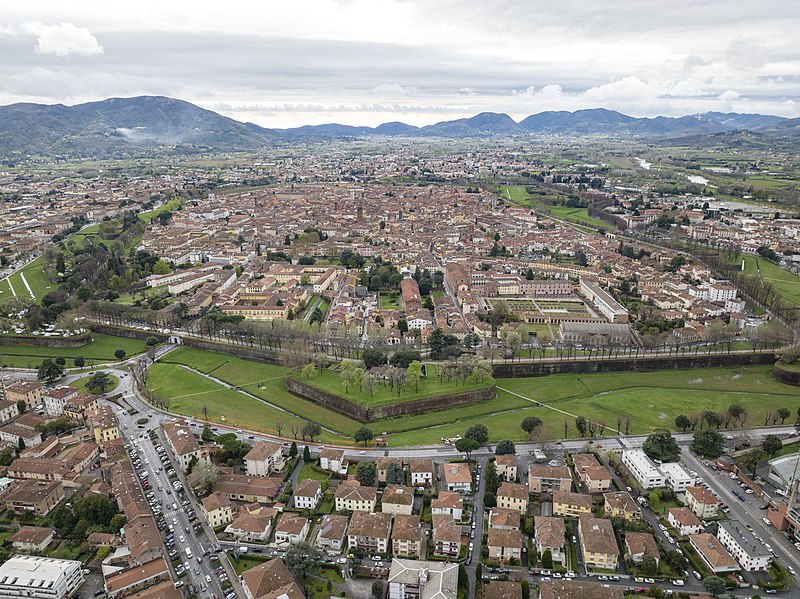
(283, 63)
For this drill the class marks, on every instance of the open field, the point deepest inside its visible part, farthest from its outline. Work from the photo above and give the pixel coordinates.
(649, 399)
(150, 216)
(81, 384)
(389, 301)
(787, 284)
(39, 283)
(518, 195)
(100, 349)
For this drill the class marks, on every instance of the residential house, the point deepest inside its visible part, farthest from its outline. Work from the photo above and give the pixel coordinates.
(352, 497)
(184, 444)
(549, 533)
(78, 408)
(639, 545)
(506, 466)
(397, 499)
(333, 460)
(104, 425)
(217, 509)
(32, 539)
(579, 589)
(571, 504)
(446, 536)
(683, 520)
(407, 539)
(702, 502)
(457, 477)
(382, 466)
(270, 580)
(332, 535)
(250, 526)
(56, 398)
(28, 391)
(308, 494)
(369, 532)
(714, 555)
(504, 519)
(421, 472)
(35, 496)
(449, 503)
(14, 433)
(240, 487)
(502, 589)
(598, 543)
(504, 545)
(548, 479)
(513, 496)
(291, 529)
(597, 479)
(413, 579)
(743, 546)
(265, 458)
(621, 505)
(8, 410)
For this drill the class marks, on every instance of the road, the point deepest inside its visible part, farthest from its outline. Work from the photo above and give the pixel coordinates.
(747, 512)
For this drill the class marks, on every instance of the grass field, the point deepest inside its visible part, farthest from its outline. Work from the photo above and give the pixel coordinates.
(39, 283)
(330, 381)
(787, 284)
(100, 349)
(81, 384)
(650, 399)
(518, 195)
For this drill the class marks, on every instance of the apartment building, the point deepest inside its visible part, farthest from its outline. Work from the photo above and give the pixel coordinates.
(513, 496)
(548, 479)
(352, 497)
(571, 504)
(549, 533)
(369, 532)
(264, 459)
(598, 543)
(743, 546)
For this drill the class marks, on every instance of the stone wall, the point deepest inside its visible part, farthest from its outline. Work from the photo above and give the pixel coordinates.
(645, 364)
(790, 377)
(364, 414)
(118, 331)
(241, 351)
(40, 341)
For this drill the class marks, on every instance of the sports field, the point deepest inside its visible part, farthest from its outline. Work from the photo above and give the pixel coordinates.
(650, 400)
(100, 349)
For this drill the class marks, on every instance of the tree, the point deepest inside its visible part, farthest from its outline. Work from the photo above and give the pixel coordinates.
(306, 454)
(505, 447)
(79, 362)
(395, 474)
(293, 449)
(373, 358)
(649, 566)
(707, 443)
(99, 382)
(467, 446)
(402, 359)
(547, 559)
(120, 353)
(771, 445)
(752, 459)
(714, 585)
(363, 435)
(491, 478)
(682, 422)
(736, 411)
(530, 424)
(303, 559)
(477, 432)
(21, 406)
(61, 361)
(580, 424)
(151, 341)
(6, 456)
(414, 374)
(311, 430)
(489, 500)
(365, 473)
(377, 589)
(202, 478)
(308, 370)
(207, 434)
(783, 414)
(49, 371)
(661, 445)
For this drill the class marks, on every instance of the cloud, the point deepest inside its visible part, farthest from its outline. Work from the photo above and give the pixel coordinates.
(64, 39)
(729, 94)
(7, 31)
(747, 53)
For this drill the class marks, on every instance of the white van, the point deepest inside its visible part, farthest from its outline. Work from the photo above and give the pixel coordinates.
(189, 552)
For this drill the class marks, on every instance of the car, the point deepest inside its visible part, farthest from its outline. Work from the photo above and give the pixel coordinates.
(649, 581)
(791, 571)
(678, 582)
(376, 558)
(546, 578)
(473, 525)
(570, 575)
(558, 575)
(471, 546)
(697, 575)
(638, 579)
(379, 564)
(614, 578)
(602, 577)
(472, 534)
(765, 520)
(771, 592)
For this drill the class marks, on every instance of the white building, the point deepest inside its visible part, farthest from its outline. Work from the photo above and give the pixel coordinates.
(743, 546)
(264, 459)
(677, 478)
(55, 399)
(412, 579)
(37, 577)
(642, 469)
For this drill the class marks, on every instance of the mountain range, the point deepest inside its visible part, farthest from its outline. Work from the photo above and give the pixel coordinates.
(133, 125)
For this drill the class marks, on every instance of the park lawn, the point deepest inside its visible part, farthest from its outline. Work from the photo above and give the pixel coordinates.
(516, 193)
(151, 215)
(81, 383)
(244, 562)
(188, 392)
(199, 359)
(787, 284)
(5, 290)
(330, 381)
(577, 215)
(39, 283)
(389, 302)
(100, 349)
